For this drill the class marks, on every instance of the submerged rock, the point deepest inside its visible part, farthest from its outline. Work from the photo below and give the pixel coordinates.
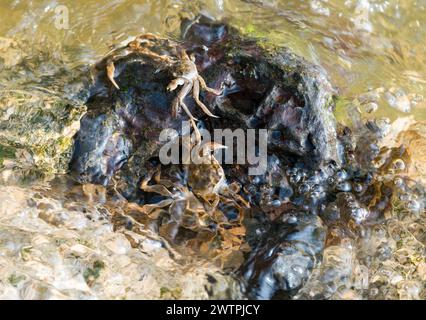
(38, 129)
(283, 260)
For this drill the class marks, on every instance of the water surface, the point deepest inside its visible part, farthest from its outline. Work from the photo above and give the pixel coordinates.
(374, 54)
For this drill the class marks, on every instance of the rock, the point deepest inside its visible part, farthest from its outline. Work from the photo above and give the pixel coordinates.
(96, 139)
(274, 90)
(31, 129)
(124, 123)
(268, 88)
(37, 122)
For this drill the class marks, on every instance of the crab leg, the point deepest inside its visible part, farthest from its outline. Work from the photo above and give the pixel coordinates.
(175, 108)
(206, 88)
(196, 95)
(176, 102)
(136, 47)
(179, 102)
(192, 120)
(150, 36)
(110, 73)
(156, 56)
(150, 208)
(157, 188)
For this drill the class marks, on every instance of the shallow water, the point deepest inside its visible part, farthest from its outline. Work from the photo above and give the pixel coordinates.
(374, 54)
(364, 45)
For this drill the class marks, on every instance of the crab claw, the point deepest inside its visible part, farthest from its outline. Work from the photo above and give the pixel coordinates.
(216, 146)
(172, 86)
(210, 148)
(175, 83)
(110, 73)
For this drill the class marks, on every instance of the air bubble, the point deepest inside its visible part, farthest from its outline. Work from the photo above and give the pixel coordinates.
(399, 165)
(315, 195)
(359, 214)
(344, 186)
(294, 179)
(256, 180)
(304, 188)
(413, 205)
(313, 180)
(291, 219)
(399, 182)
(318, 188)
(371, 107)
(357, 187)
(404, 197)
(341, 175)
(276, 203)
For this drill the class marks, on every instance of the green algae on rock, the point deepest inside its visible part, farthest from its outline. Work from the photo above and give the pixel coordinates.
(40, 128)
(38, 119)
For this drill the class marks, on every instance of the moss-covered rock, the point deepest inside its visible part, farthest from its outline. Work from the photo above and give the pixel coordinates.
(41, 105)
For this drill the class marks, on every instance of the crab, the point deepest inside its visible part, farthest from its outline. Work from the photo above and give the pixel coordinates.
(196, 197)
(180, 203)
(207, 180)
(177, 59)
(204, 182)
(188, 77)
(142, 45)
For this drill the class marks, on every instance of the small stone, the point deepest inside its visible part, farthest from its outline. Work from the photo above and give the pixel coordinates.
(304, 188)
(344, 186)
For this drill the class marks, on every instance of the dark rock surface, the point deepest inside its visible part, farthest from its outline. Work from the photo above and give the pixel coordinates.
(263, 88)
(274, 90)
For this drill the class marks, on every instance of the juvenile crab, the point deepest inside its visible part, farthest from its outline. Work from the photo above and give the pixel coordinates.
(207, 180)
(187, 76)
(142, 45)
(171, 55)
(198, 198)
(204, 183)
